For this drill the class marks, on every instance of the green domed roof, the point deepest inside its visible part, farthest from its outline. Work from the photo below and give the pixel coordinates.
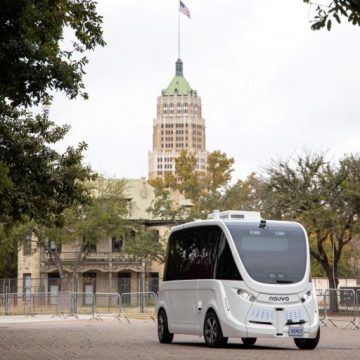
(178, 85)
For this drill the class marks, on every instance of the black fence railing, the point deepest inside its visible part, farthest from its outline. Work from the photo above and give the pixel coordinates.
(96, 256)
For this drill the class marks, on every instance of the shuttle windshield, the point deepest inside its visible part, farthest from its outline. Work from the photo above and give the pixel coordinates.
(275, 254)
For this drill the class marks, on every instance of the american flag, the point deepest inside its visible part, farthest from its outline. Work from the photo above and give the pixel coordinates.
(184, 9)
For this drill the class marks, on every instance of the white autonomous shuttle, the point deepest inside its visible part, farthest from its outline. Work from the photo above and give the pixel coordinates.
(237, 275)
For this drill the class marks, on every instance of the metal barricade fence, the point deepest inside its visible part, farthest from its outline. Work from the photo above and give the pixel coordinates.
(321, 301)
(357, 317)
(63, 301)
(12, 304)
(26, 304)
(40, 304)
(108, 304)
(340, 306)
(139, 305)
(82, 303)
(335, 305)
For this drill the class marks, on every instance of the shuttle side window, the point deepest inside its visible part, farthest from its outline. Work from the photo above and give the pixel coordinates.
(226, 268)
(192, 253)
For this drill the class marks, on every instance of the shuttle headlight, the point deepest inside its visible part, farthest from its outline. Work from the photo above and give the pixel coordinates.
(246, 295)
(306, 296)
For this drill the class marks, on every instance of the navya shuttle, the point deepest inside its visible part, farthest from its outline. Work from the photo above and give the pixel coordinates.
(237, 275)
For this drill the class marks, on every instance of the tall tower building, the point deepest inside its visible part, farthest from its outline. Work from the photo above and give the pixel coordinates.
(178, 126)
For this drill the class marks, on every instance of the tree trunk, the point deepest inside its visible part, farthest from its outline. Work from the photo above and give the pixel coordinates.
(333, 295)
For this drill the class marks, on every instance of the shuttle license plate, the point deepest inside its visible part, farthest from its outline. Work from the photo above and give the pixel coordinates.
(296, 331)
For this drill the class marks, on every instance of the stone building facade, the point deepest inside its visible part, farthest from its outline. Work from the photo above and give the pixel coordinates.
(106, 268)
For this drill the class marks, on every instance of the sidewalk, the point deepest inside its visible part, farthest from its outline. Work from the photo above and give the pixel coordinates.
(15, 319)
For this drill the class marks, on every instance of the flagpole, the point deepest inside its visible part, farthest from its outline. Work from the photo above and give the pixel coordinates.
(178, 31)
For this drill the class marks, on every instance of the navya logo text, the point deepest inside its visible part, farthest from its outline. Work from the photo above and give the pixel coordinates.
(279, 298)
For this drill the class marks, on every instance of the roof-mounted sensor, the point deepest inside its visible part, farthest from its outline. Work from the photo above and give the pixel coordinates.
(235, 215)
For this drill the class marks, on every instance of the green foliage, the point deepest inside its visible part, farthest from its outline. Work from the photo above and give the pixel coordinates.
(334, 10)
(219, 169)
(5, 182)
(324, 197)
(166, 204)
(82, 225)
(32, 60)
(243, 195)
(8, 255)
(189, 179)
(37, 181)
(145, 245)
(191, 193)
(100, 218)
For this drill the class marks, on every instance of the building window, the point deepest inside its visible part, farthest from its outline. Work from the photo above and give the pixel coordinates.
(154, 283)
(27, 246)
(27, 284)
(54, 288)
(89, 283)
(90, 247)
(53, 246)
(116, 244)
(124, 287)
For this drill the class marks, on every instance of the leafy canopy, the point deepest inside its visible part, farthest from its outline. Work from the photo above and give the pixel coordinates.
(37, 182)
(324, 197)
(34, 60)
(336, 10)
(191, 193)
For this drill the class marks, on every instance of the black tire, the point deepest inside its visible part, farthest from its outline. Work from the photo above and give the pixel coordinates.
(212, 331)
(163, 331)
(308, 344)
(248, 341)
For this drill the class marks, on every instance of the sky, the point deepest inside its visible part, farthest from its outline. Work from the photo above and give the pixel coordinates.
(271, 88)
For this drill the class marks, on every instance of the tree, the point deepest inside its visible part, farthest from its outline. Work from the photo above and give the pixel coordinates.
(324, 197)
(243, 195)
(32, 60)
(8, 255)
(146, 245)
(166, 204)
(218, 170)
(191, 193)
(38, 182)
(334, 10)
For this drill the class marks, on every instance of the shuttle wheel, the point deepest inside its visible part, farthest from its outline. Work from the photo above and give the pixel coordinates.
(248, 341)
(308, 344)
(163, 331)
(212, 331)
